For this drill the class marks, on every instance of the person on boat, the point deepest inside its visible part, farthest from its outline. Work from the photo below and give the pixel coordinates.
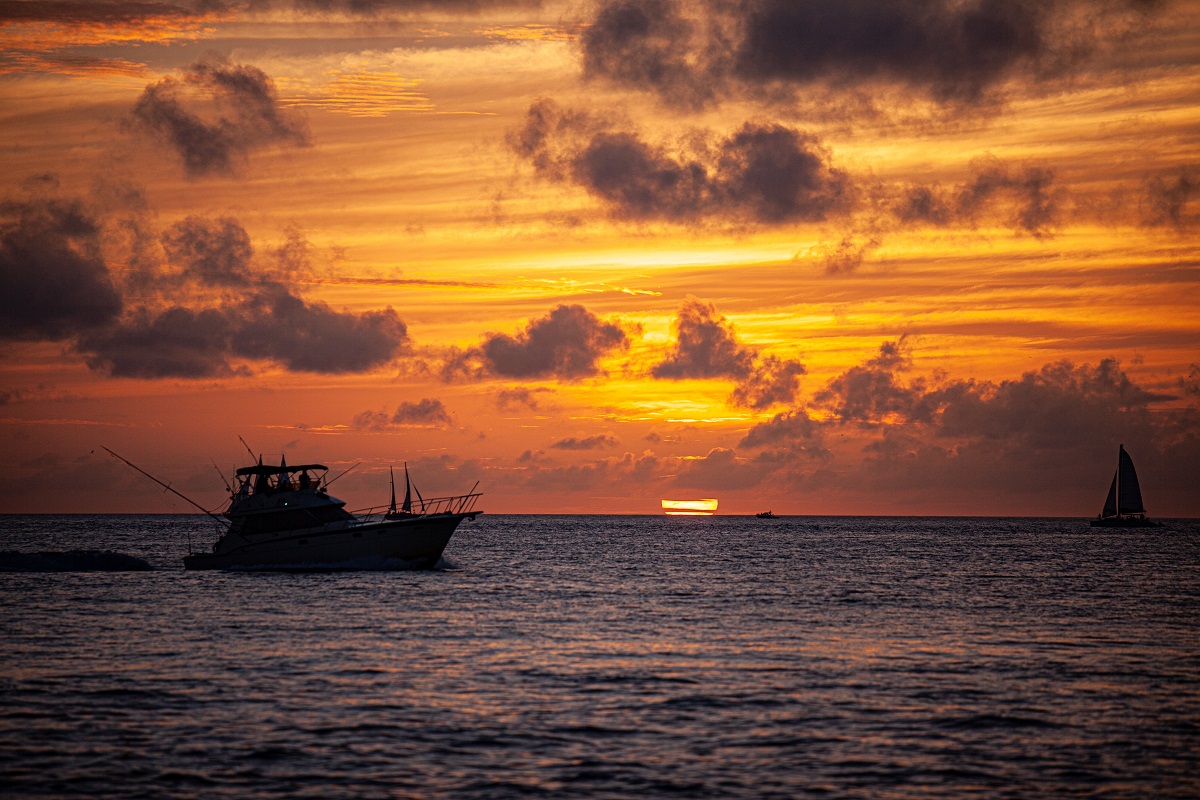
(305, 481)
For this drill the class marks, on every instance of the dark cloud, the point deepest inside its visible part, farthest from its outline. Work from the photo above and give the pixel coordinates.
(178, 342)
(518, 398)
(953, 52)
(272, 325)
(311, 337)
(761, 174)
(648, 46)
(706, 346)
(213, 252)
(216, 115)
(793, 430)
(424, 413)
(1024, 198)
(773, 381)
(1059, 406)
(565, 344)
(586, 443)
(871, 392)
(56, 281)
(1168, 199)
(976, 441)
(264, 320)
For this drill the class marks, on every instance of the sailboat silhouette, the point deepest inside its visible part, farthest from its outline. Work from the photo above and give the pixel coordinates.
(1123, 507)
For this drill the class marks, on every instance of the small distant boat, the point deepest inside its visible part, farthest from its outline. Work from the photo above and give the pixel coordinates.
(765, 515)
(1123, 507)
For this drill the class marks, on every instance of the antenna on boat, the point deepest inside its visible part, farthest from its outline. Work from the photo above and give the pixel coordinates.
(340, 474)
(166, 486)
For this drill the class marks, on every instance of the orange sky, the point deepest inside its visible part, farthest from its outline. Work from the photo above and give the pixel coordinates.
(918, 257)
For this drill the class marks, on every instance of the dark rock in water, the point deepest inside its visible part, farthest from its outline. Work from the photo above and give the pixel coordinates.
(71, 561)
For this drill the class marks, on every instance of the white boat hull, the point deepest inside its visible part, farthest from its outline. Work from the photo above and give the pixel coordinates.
(416, 542)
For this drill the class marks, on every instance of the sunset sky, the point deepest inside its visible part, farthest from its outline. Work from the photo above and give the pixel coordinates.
(854, 257)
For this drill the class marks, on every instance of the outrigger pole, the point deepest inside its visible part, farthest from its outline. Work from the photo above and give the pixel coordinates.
(166, 486)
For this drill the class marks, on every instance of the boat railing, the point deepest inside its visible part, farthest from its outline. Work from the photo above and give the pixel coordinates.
(454, 504)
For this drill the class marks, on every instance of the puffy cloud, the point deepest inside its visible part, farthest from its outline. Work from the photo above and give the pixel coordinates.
(764, 174)
(56, 282)
(773, 381)
(979, 440)
(706, 346)
(586, 443)
(428, 412)
(188, 332)
(270, 325)
(955, 53)
(311, 337)
(871, 392)
(177, 342)
(793, 430)
(216, 115)
(567, 343)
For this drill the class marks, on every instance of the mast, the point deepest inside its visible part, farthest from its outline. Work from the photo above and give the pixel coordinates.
(407, 492)
(1117, 477)
(392, 507)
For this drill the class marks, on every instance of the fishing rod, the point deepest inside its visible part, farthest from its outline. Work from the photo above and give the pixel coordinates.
(166, 486)
(248, 450)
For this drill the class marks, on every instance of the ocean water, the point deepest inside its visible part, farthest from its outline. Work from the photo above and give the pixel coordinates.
(614, 657)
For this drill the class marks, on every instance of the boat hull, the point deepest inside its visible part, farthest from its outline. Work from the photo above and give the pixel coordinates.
(414, 543)
(1127, 522)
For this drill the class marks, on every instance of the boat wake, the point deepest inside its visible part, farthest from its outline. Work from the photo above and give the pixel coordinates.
(363, 564)
(71, 561)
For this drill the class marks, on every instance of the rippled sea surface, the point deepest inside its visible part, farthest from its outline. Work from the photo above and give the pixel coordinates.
(593, 656)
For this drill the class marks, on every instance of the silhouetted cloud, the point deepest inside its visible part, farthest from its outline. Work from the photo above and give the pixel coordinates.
(213, 252)
(870, 392)
(248, 116)
(177, 342)
(586, 443)
(761, 174)
(55, 280)
(567, 343)
(1026, 199)
(706, 346)
(773, 381)
(1169, 199)
(956, 53)
(311, 337)
(794, 430)
(518, 398)
(189, 330)
(425, 413)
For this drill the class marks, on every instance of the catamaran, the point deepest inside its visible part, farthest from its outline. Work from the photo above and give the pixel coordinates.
(1123, 507)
